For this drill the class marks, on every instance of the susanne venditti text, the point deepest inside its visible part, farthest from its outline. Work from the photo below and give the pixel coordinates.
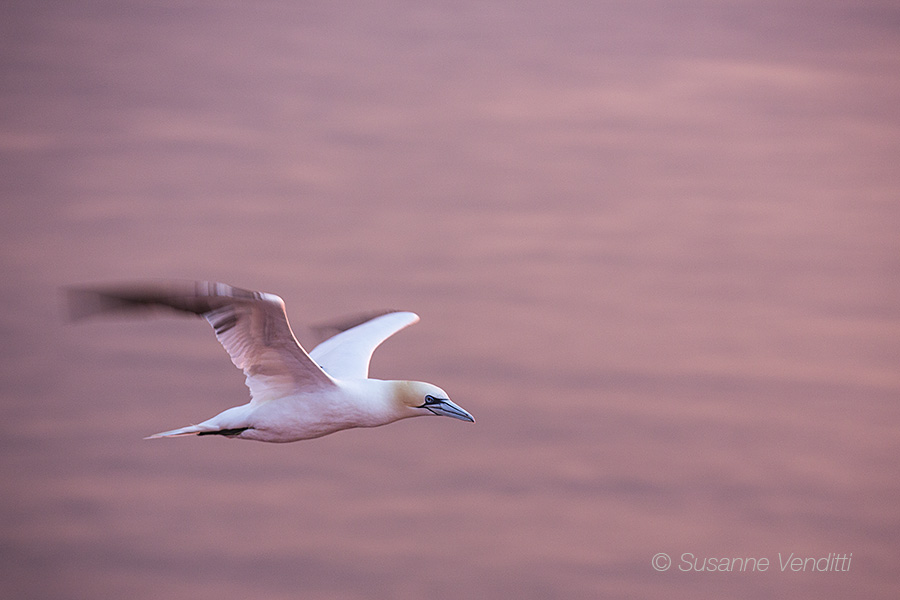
(787, 562)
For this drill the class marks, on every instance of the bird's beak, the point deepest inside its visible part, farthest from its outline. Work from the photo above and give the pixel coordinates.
(445, 408)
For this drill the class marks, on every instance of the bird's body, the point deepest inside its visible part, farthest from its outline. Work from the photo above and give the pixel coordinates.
(306, 415)
(294, 395)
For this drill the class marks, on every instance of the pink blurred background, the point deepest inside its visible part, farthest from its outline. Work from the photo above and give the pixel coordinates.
(654, 246)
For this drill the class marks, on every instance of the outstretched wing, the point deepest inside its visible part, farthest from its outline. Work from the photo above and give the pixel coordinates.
(252, 326)
(347, 354)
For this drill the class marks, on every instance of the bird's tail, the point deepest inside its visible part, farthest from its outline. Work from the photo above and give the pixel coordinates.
(189, 430)
(199, 430)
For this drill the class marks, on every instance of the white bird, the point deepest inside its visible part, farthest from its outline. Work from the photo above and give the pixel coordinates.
(294, 395)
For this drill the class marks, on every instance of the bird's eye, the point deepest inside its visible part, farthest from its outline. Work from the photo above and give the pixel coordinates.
(429, 399)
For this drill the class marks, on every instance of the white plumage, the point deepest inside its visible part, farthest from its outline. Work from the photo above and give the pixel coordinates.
(294, 395)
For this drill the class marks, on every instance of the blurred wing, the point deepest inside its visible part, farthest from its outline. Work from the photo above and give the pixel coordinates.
(252, 326)
(347, 355)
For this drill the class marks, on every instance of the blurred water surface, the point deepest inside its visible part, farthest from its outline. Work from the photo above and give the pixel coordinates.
(654, 247)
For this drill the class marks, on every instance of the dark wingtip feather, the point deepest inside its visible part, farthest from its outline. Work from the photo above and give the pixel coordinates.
(82, 303)
(196, 297)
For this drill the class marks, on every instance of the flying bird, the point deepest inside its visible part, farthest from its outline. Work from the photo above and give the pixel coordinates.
(293, 395)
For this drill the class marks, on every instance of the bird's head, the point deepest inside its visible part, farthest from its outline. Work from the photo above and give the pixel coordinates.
(421, 399)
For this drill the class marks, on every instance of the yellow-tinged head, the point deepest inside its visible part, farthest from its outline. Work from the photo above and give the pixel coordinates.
(419, 399)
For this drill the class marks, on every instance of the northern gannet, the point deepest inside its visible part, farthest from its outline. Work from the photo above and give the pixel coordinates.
(294, 395)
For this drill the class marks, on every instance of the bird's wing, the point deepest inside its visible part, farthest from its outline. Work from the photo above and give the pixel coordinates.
(347, 354)
(252, 326)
